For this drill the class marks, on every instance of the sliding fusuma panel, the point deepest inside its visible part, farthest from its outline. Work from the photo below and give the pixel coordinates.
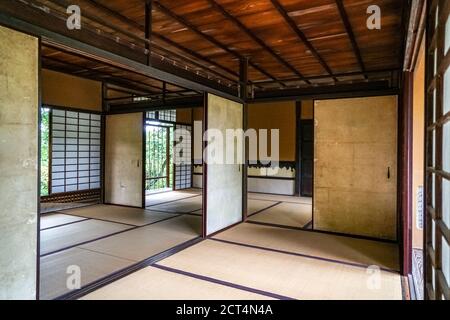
(223, 181)
(124, 159)
(355, 167)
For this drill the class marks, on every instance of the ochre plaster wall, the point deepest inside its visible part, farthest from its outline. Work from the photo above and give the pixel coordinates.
(60, 89)
(276, 115)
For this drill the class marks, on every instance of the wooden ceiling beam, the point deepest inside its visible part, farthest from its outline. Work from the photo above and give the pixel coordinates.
(87, 58)
(351, 35)
(210, 39)
(256, 39)
(130, 92)
(352, 90)
(158, 105)
(302, 37)
(338, 75)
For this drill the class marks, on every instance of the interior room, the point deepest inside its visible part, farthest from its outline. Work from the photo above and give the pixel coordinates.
(280, 194)
(225, 149)
(87, 221)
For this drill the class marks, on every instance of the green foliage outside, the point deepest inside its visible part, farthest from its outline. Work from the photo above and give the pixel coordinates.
(45, 128)
(156, 157)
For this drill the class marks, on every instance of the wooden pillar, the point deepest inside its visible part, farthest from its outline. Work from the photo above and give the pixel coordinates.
(243, 82)
(405, 170)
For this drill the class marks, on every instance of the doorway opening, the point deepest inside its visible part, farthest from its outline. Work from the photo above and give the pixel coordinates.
(159, 157)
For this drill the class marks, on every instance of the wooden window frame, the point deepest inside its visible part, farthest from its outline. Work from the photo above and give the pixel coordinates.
(436, 286)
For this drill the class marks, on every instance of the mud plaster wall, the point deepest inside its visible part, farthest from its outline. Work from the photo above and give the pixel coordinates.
(18, 164)
(60, 89)
(276, 115)
(123, 159)
(355, 143)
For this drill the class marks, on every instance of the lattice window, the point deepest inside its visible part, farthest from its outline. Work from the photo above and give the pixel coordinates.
(437, 266)
(183, 157)
(168, 115)
(75, 151)
(165, 115)
(151, 115)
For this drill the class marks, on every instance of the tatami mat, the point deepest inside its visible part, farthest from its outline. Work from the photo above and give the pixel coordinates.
(52, 220)
(141, 243)
(258, 205)
(180, 206)
(92, 266)
(346, 249)
(286, 214)
(155, 284)
(126, 215)
(164, 197)
(279, 198)
(73, 234)
(283, 274)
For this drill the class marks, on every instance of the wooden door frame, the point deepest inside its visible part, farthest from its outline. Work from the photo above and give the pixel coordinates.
(405, 173)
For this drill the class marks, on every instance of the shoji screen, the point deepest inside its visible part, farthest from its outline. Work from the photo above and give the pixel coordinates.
(75, 151)
(183, 157)
(437, 264)
(224, 181)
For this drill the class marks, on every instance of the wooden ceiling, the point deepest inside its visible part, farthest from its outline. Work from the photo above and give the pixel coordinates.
(289, 43)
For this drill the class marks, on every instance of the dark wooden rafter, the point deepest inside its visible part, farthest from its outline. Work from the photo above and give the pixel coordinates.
(148, 29)
(351, 35)
(243, 79)
(154, 35)
(302, 37)
(212, 40)
(255, 38)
